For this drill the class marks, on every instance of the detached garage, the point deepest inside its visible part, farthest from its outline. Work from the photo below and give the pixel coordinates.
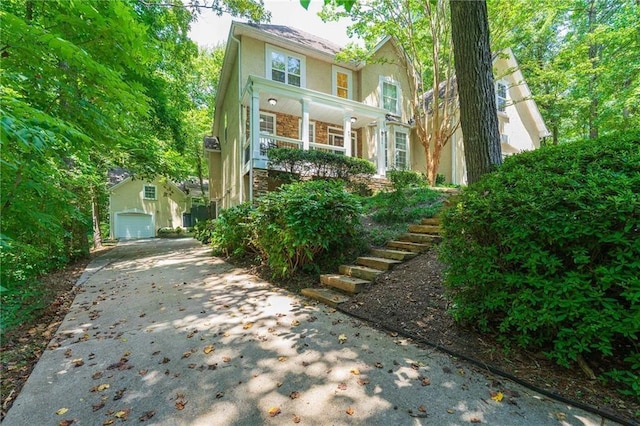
(134, 225)
(139, 207)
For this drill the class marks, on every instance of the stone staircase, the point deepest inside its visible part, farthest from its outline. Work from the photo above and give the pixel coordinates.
(351, 279)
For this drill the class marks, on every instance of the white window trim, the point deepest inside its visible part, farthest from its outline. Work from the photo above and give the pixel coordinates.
(334, 80)
(312, 130)
(303, 63)
(337, 131)
(389, 80)
(406, 149)
(506, 98)
(144, 192)
(275, 123)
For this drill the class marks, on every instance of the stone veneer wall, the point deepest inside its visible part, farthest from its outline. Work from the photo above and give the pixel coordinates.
(260, 183)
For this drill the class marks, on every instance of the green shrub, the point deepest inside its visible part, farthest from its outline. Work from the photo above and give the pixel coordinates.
(402, 179)
(301, 221)
(318, 163)
(203, 231)
(546, 251)
(233, 231)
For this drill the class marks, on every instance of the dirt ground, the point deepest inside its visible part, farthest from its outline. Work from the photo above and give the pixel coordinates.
(409, 299)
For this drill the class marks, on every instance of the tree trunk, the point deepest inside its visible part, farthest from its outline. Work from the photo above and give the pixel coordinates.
(95, 213)
(478, 114)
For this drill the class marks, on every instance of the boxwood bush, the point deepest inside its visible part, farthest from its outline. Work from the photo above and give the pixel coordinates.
(546, 252)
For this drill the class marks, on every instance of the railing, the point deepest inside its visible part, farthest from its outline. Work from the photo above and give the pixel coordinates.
(328, 148)
(272, 141)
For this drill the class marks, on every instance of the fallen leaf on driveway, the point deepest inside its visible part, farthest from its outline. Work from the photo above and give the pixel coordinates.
(65, 423)
(274, 411)
(208, 349)
(295, 323)
(355, 371)
(146, 416)
(294, 395)
(247, 325)
(342, 338)
(363, 381)
(497, 396)
(78, 362)
(226, 359)
(422, 409)
(282, 358)
(108, 422)
(98, 406)
(342, 386)
(296, 419)
(97, 375)
(425, 381)
(350, 411)
(62, 411)
(100, 388)
(475, 420)
(123, 414)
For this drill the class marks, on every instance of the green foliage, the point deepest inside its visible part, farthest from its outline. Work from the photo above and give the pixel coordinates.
(300, 222)
(203, 231)
(402, 179)
(318, 163)
(234, 231)
(546, 251)
(405, 203)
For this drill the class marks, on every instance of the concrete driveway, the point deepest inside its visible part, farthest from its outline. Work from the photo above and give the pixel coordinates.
(164, 333)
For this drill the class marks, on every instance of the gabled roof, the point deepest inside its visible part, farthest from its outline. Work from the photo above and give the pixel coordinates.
(300, 37)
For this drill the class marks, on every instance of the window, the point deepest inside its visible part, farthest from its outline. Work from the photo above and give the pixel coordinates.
(385, 148)
(342, 82)
(312, 131)
(390, 95)
(501, 96)
(336, 138)
(267, 127)
(285, 67)
(149, 192)
(400, 149)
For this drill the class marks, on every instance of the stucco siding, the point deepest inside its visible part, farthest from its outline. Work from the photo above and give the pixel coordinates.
(166, 209)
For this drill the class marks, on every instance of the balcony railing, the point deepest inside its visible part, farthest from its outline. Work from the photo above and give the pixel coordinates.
(272, 141)
(328, 148)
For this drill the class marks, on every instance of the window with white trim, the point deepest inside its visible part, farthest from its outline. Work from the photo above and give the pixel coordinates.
(267, 127)
(336, 138)
(285, 67)
(501, 96)
(342, 82)
(149, 192)
(390, 95)
(312, 130)
(400, 150)
(385, 149)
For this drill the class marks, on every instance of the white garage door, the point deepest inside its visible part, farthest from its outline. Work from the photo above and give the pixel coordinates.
(134, 225)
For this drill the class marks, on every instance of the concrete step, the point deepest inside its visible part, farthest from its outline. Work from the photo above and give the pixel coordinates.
(377, 262)
(424, 229)
(325, 295)
(359, 272)
(431, 221)
(408, 246)
(393, 254)
(343, 282)
(420, 238)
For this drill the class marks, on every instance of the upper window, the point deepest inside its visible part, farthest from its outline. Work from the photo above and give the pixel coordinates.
(149, 192)
(342, 83)
(390, 95)
(285, 67)
(501, 96)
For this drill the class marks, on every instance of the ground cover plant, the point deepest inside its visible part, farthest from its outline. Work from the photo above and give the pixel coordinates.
(546, 252)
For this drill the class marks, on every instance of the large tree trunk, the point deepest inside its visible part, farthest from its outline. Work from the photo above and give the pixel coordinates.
(478, 114)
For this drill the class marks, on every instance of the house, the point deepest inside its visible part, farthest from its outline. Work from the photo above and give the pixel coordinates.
(282, 87)
(139, 207)
(520, 123)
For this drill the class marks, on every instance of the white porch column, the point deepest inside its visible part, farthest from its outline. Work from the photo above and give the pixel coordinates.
(382, 141)
(346, 135)
(254, 123)
(305, 124)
